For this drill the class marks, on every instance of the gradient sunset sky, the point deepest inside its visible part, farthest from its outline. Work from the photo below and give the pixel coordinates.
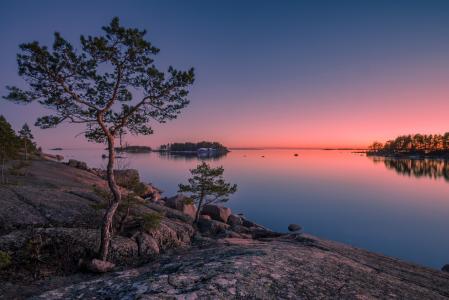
(269, 73)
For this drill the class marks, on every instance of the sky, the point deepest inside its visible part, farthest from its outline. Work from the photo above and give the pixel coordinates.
(268, 73)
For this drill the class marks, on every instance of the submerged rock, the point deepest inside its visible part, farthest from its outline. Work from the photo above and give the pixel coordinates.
(294, 227)
(445, 268)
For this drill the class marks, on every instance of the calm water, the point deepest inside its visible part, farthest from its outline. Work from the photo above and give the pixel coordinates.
(398, 208)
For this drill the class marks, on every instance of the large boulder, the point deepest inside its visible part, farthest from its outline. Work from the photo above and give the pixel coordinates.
(445, 268)
(294, 227)
(151, 192)
(211, 227)
(97, 266)
(218, 213)
(182, 203)
(234, 220)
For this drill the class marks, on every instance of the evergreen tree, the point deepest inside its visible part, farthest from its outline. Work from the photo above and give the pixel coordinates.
(8, 145)
(26, 138)
(111, 85)
(207, 186)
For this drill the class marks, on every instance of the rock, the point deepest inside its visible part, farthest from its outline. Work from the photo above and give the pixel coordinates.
(248, 223)
(234, 220)
(216, 212)
(445, 268)
(56, 204)
(151, 192)
(182, 203)
(77, 164)
(99, 266)
(241, 229)
(52, 156)
(277, 269)
(148, 246)
(259, 233)
(211, 227)
(294, 227)
(205, 217)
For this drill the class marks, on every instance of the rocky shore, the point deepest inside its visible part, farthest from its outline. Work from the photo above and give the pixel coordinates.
(49, 224)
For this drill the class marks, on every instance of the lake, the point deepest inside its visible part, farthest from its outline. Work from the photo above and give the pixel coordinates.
(395, 207)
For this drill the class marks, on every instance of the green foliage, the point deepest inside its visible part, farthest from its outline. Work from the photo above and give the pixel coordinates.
(151, 221)
(207, 185)
(94, 85)
(9, 142)
(102, 193)
(5, 260)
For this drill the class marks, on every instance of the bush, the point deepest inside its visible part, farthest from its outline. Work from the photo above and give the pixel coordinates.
(5, 259)
(151, 221)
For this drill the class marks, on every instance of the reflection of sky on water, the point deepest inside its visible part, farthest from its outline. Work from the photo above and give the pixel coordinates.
(337, 195)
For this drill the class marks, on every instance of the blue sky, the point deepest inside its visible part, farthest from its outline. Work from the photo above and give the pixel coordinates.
(287, 73)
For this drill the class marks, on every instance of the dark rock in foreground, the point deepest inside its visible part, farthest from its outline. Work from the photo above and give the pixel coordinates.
(288, 268)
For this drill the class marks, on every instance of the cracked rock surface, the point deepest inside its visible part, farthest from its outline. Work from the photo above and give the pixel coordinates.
(290, 267)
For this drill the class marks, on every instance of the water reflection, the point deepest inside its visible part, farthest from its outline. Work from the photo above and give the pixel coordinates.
(430, 168)
(188, 156)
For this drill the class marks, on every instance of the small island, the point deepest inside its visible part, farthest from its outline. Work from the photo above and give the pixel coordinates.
(202, 149)
(413, 146)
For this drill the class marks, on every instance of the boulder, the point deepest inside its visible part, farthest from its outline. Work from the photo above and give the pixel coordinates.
(182, 203)
(294, 227)
(234, 220)
(212, 227)
(205, 217)
(216, 212)
(148, 246)
(77, 164)
(445, 268)
(151, 192)
(99, 266)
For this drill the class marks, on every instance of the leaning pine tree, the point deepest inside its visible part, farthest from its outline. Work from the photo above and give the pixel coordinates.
(111, 85)
(206, 186)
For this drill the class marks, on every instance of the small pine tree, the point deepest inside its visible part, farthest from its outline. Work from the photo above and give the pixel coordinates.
(207, 186)
(8, 145)
(26, 138)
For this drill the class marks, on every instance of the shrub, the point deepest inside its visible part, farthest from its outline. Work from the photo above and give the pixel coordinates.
(151, 221)
(5, 259)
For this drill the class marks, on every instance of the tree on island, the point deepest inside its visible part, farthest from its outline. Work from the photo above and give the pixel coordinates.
(8, 145)
(419, 143)
(206, 186)
(111, 85)
(26, 137)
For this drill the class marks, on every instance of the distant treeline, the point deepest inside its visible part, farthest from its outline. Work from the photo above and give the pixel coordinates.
(418, 143)
(193, 147)
(133, 149)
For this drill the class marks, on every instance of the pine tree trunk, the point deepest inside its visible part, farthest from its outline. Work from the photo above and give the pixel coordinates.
(200, 206)
(26, 150)
(106, 229)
